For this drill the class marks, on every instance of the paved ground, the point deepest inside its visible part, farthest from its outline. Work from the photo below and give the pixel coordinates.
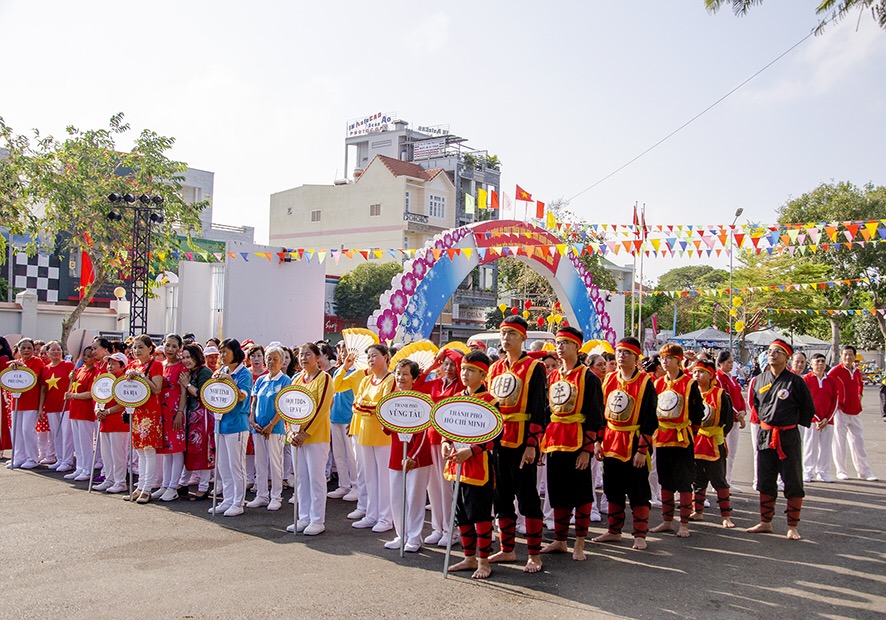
(67, 554)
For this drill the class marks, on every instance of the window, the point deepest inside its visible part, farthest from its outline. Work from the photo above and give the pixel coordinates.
(315, 215)
(407, 201)
(375, 210)
(288, 210)
(437, 206)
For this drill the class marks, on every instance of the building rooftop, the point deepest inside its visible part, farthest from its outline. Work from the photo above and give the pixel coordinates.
(407, 169)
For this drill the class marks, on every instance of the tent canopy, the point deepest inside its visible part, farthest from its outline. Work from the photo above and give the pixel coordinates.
(705, 337)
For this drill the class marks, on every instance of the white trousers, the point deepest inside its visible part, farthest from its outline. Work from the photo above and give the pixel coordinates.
(848, 432)
(62, 437)
(439, 493)
(343, 454)
(231, 458)
(173, 464)
(375, 461)
(732, 440)
(269, 465)
(25, 437)
(817, 455)
(600, 501)
(288, 463)
(147, 467)
(310, 484)
(45, 447)
(84, 444)
(115, 447)
(654, 486)
(416, 488)
(362, 494)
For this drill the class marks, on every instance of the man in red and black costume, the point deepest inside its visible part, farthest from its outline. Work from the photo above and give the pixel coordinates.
(630, 402)
(518, 382)
(782, 402)
(575, 399)
(710, 444)
(680, 412)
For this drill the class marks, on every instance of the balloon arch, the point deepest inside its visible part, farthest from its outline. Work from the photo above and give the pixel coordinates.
(409, 309)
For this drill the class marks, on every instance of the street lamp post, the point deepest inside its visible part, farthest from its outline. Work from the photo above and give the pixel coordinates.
(738, 213)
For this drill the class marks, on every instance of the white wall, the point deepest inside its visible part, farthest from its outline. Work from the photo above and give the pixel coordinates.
(195, 292)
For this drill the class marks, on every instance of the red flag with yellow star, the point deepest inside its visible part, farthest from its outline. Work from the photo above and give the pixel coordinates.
(522, 194)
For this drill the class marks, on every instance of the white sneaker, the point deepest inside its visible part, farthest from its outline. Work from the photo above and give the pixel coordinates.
(735, 489)
(840, 476)
(30, 464)
(54, 466)
(72, 475)
(356, 514)
(301, 524)
(824, 478)
(363, 524)
(808, 479)
(444, 539)
(292, 499)
(104, 486)
(351, 496)
(433, 538)
(870, 478)
(220, 509)
(83, 477)
(781, 486)
(117, 488)
(338, 493)
(314, 529)
(707, 503)
(548, 524)
(393, 544)
(382, 526)
(656, 503)
(595, 516)
(412, 547)
(64, 467)
(259, 502)
(159, 493)
(170, 495)
(275, 504)
(234, 511)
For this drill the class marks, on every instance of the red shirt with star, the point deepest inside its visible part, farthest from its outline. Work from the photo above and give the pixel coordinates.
(57, 380)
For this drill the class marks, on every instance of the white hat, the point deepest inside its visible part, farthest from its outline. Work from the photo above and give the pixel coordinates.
(210, 351)
(119, 357)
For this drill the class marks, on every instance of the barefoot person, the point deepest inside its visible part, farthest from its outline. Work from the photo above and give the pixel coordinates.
(782, 402)
(710, 444)
(680, 411)
(518, 382)
(473, 511)
(630, 402)
(575, 398)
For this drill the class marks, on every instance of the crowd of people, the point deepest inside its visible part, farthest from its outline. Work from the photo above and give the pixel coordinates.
(650, 431)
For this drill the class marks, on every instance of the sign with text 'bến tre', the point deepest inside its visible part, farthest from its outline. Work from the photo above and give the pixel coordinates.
(405, 412)
(131, 392)
(220, 395)
(296, 404)
(466, 420)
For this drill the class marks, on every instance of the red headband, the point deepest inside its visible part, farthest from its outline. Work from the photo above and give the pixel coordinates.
(627, 346)
(784, 346)
(568, 336)
(515, 326)
(706, 365)
(477, 365)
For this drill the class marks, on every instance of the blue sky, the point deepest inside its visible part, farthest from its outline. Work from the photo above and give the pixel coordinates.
(562, 94)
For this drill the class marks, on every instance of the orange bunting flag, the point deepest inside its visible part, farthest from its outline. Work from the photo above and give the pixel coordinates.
(522, 194)
(494, 199)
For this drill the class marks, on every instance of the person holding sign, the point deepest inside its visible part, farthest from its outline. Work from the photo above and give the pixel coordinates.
(83, 416)
(200, 451)
(575, 397)
(5, 413)
(473, 511)
(519, 384)
(26, 456)
(312, 441)
(418, 467)
(114, 434)
(630, 400)
(54, 382)
(447, 366)
(233, 429)
(373, 446)
(268, 433)
(146, 428)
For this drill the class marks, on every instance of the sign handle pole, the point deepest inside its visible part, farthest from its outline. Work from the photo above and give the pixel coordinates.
(403, 512)
(94, 451)
(295, 489)
(15, 397)
(129, 412)
(452, 521)
(215, 479)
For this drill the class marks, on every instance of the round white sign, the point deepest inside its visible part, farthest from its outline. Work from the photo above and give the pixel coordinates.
(466, 420)
(295, 404)
(131, 392)
(103, 388)
(405, 412)
(220, 395)
(18, 380)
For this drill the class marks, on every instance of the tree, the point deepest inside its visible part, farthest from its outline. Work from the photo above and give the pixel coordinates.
(830, 10)
(62, 186)
(358, 291)
(841, 202)
(693, 312)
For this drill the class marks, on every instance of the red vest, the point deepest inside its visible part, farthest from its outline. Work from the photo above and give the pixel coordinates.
(566, 393)
(710, 435)
(509, 386)
(475, 470)
(623, 400)
(673, 412)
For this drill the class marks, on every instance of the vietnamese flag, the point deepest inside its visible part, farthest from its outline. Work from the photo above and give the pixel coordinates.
(494, 200)
(522, 194)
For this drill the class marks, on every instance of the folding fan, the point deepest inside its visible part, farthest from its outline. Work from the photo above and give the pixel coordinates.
(357, 339)
(458, 346)
(422, 353)
(596, 346)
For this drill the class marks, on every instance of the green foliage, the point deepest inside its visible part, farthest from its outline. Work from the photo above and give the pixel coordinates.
(53, 186)
(358, 291)
(493, 162)
(693, 312)
(469, 160)
(493, 319)
(828, 10)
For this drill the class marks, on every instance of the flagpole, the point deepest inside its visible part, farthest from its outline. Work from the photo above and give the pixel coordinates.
(634, 280)
(640, 285)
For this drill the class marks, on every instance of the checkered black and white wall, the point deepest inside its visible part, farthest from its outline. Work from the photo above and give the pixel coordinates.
(38, 273)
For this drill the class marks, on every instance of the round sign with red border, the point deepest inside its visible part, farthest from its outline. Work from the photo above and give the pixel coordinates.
(405, 412)
(296, 404)
(18, 380)
(103, 388)
(132, 393)
(220, 395)
(464, 419)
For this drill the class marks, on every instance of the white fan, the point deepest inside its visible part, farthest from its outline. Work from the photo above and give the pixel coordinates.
(422, 353)
(357, 339)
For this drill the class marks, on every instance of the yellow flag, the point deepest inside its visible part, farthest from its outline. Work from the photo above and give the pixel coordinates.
(481, 198)
(551, 222)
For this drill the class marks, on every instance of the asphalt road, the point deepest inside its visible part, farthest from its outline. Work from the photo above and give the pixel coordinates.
(67, 554)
